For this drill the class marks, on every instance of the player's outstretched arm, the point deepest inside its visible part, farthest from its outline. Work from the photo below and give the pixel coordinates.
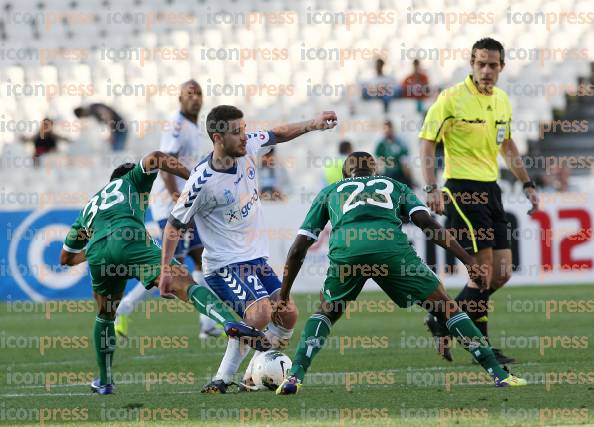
(442, 237)
(293, 264)
(287, 132)
(164, 162)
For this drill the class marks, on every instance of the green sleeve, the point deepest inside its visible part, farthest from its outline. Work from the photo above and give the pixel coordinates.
(143, 181)
(379, 150)
(435, 120)
(317, 217)
(77, 238)
(409, 202)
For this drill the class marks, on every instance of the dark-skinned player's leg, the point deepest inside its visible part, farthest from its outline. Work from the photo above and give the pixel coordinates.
(316, 330)
(408, 280)
(314, 335)
(462, 328)
(340, 287)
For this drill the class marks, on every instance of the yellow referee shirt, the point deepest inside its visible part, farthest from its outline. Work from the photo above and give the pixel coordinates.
(472, 127)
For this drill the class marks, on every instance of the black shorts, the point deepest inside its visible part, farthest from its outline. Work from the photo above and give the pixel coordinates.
(475, 215)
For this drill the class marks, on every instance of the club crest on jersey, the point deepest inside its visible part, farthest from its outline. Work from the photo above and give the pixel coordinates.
(251, 172)
(228, 197)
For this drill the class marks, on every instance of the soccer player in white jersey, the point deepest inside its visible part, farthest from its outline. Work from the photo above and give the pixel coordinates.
(184, 139)
(222, 197)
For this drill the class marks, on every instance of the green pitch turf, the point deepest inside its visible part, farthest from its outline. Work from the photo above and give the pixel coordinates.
(379, 368)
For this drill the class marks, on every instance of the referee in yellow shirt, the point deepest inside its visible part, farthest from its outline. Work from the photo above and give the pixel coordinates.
(473, 120)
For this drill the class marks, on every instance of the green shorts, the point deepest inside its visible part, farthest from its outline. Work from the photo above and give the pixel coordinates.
(125, 254)
(402, 275)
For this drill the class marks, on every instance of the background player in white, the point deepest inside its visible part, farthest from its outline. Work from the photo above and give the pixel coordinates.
(185, 139)
(222, 197)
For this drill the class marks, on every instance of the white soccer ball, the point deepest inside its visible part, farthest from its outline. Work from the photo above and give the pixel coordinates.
(270, 369)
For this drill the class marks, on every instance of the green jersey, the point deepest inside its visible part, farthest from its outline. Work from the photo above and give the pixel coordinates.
(392, 154)
(365, 214)
(120, 204)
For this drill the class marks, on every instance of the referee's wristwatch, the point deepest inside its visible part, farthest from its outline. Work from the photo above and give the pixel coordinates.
(429, 188)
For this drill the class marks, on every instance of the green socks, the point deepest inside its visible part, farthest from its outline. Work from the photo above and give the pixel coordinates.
(313, 337)
(207, 303)
(317, 328)
(460, 326)
(105, 340)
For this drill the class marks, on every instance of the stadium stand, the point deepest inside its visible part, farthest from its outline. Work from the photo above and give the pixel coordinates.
(78, 46)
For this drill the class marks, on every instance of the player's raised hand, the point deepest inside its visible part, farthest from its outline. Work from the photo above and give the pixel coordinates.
(326, 120)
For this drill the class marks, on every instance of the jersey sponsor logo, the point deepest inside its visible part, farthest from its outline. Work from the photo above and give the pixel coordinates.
(238, 179)
(235, 214)
(196, 187)
(245, 209)
(232, 215)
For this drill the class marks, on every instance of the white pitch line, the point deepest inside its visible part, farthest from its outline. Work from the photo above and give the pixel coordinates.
(89, 393)
(63, 362)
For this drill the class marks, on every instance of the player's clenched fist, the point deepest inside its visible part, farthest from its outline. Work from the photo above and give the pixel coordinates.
(326, 120)
(477, 274)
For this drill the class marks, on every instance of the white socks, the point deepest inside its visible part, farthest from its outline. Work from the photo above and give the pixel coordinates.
(278, 336)
(198, 277)
(206, 323)
(131, 300)
(233, 357)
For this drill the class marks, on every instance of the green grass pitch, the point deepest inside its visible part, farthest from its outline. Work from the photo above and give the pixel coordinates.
(379, 368)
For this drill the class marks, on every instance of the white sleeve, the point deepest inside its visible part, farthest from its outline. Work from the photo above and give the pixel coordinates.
(190, 200)
(171, 138)
(259, 141)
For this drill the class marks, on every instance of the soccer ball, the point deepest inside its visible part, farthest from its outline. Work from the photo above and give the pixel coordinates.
(270, 369)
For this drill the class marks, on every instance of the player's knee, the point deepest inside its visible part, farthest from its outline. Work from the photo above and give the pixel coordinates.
(258, 314)
(497, 281)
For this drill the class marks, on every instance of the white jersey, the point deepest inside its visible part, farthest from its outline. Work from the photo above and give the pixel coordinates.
(226, 208)
(185, 140)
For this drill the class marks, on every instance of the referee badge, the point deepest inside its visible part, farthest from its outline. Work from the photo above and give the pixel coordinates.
(500, 134)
